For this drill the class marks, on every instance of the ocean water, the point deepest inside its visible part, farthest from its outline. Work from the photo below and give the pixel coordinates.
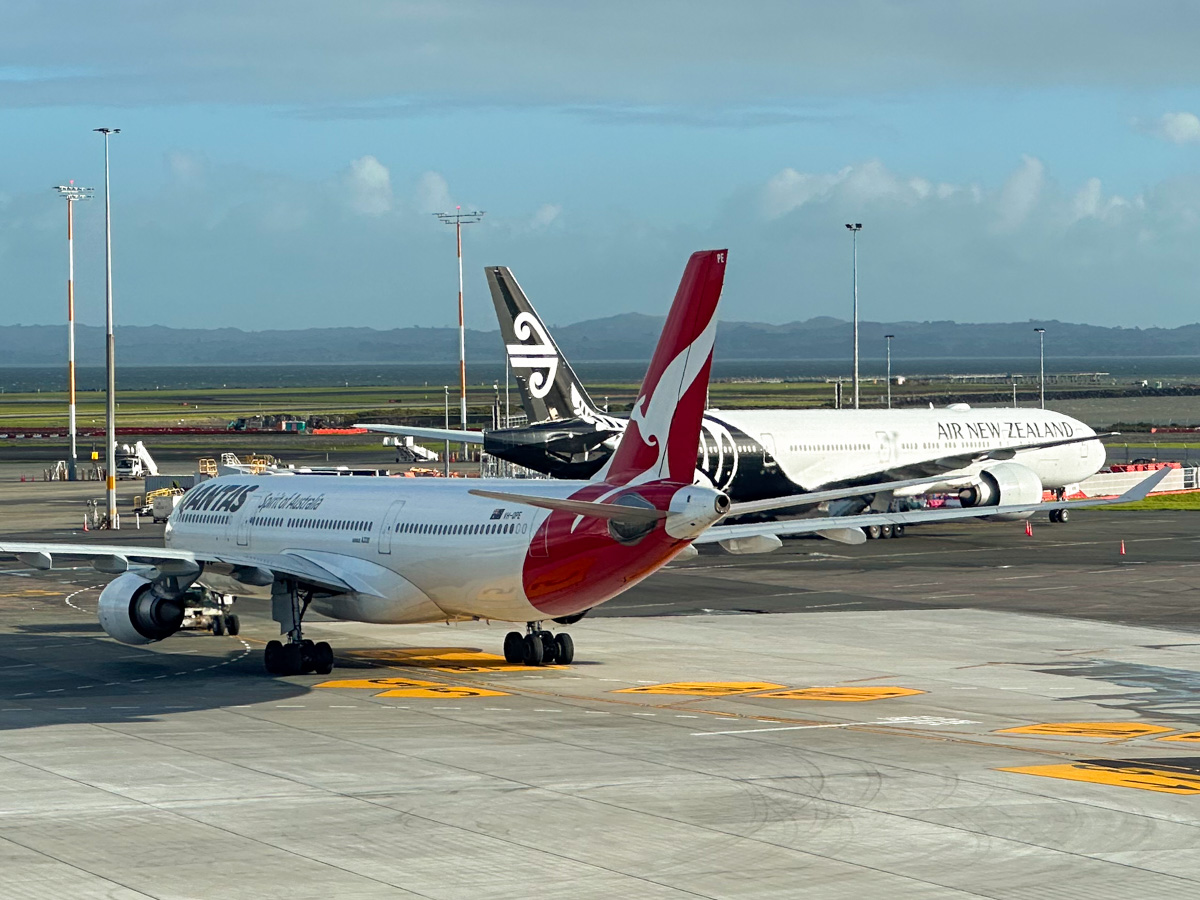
(23, 379)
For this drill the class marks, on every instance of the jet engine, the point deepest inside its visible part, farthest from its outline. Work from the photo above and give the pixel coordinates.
(1003, 484)
(133, 613)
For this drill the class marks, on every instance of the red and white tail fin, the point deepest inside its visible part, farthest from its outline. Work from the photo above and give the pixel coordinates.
(664, 425)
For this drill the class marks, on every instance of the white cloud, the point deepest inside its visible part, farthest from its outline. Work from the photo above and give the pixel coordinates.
(1178, 128)
(368, 187)
(546, 215)
(433, 194)
(1020, 194)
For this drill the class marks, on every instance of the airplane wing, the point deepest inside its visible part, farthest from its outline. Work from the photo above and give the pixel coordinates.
(945, 465)
(721, 533)
(814, 497)
(428, 434)
(251, 568)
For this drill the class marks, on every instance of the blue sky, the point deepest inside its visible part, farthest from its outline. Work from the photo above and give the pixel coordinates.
(280, 161)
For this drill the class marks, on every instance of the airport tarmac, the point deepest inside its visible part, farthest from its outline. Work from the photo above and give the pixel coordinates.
(966, 712)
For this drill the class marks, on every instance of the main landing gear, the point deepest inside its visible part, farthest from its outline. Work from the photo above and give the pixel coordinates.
(1060, 516)
(538, 647)
(297, 656)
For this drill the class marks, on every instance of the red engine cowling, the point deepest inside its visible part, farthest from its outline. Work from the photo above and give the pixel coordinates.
(1003, 484)
(133, 613)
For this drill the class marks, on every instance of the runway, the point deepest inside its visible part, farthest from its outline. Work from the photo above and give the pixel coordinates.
(966, 712)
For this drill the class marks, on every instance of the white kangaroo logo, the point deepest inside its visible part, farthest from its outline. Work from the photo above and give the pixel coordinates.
(540, 356)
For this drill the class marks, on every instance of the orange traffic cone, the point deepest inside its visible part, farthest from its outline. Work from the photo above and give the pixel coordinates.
(1122, 547)
(85, 528)
(1028, 528)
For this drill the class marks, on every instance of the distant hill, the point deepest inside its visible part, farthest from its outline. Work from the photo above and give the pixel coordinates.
(624, 337)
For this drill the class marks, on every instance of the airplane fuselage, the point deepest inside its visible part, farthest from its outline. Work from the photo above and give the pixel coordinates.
(421, 550)
(756, 454)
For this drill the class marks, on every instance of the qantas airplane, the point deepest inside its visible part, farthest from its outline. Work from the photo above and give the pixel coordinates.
(401, 551)
(989, 457)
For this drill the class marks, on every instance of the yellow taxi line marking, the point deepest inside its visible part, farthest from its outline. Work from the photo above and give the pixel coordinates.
(702, 688)
(1120, 730)
(1129, 775)
(842, 694)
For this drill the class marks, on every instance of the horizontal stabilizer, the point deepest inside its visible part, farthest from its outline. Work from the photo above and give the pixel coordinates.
(428, 434)
(579, 507)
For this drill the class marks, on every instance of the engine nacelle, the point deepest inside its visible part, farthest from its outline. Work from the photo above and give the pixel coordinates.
(133, 613)
(1003, 484)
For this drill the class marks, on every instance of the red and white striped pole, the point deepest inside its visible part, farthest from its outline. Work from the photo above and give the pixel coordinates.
(71, 193)
(460, 218)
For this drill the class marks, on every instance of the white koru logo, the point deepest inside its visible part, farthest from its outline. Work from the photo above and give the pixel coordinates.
(539, 355)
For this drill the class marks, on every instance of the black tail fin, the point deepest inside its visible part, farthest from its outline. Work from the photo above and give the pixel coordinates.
(549, 387)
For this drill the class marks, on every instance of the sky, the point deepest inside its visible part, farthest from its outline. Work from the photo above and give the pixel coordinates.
(279, 163)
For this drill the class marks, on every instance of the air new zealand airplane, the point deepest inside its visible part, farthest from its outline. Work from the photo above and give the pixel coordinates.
(990, 457)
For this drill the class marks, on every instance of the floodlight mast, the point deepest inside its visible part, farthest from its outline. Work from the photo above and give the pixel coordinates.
(854, 230)
(110, 456)
(71, 192)
(1041, 333)
(459, 218)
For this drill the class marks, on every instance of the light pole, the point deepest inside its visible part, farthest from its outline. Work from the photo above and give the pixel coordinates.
(110, 456)
(460, 218)
(1041, 332)
(446, 454)
(71, 192)
(888, 338)
(854, 230)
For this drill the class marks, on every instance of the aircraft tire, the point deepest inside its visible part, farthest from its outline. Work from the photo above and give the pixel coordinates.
(291, 660)
(565, 647)
(218, 625)
(514, 648)
(897, 531)
(233, 624)
(886, 531)
(1064, 516)
(872, 532)
(534, 651)
(322, 658)
(271, 657)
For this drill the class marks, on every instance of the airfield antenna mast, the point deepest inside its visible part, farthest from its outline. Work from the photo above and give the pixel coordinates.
(110, 456)
(459, 219)
(1041, 333)
(71, 192)
(854, 230)
(888, 338)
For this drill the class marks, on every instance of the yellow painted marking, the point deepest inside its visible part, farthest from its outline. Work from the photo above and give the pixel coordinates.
(409, 687)
(1146, 778)
(702, 688)
(442, 692)
(445, 659)
(843, 694)
(1192, 737)
(375, 684)
(1118, 730)
(35, 592)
